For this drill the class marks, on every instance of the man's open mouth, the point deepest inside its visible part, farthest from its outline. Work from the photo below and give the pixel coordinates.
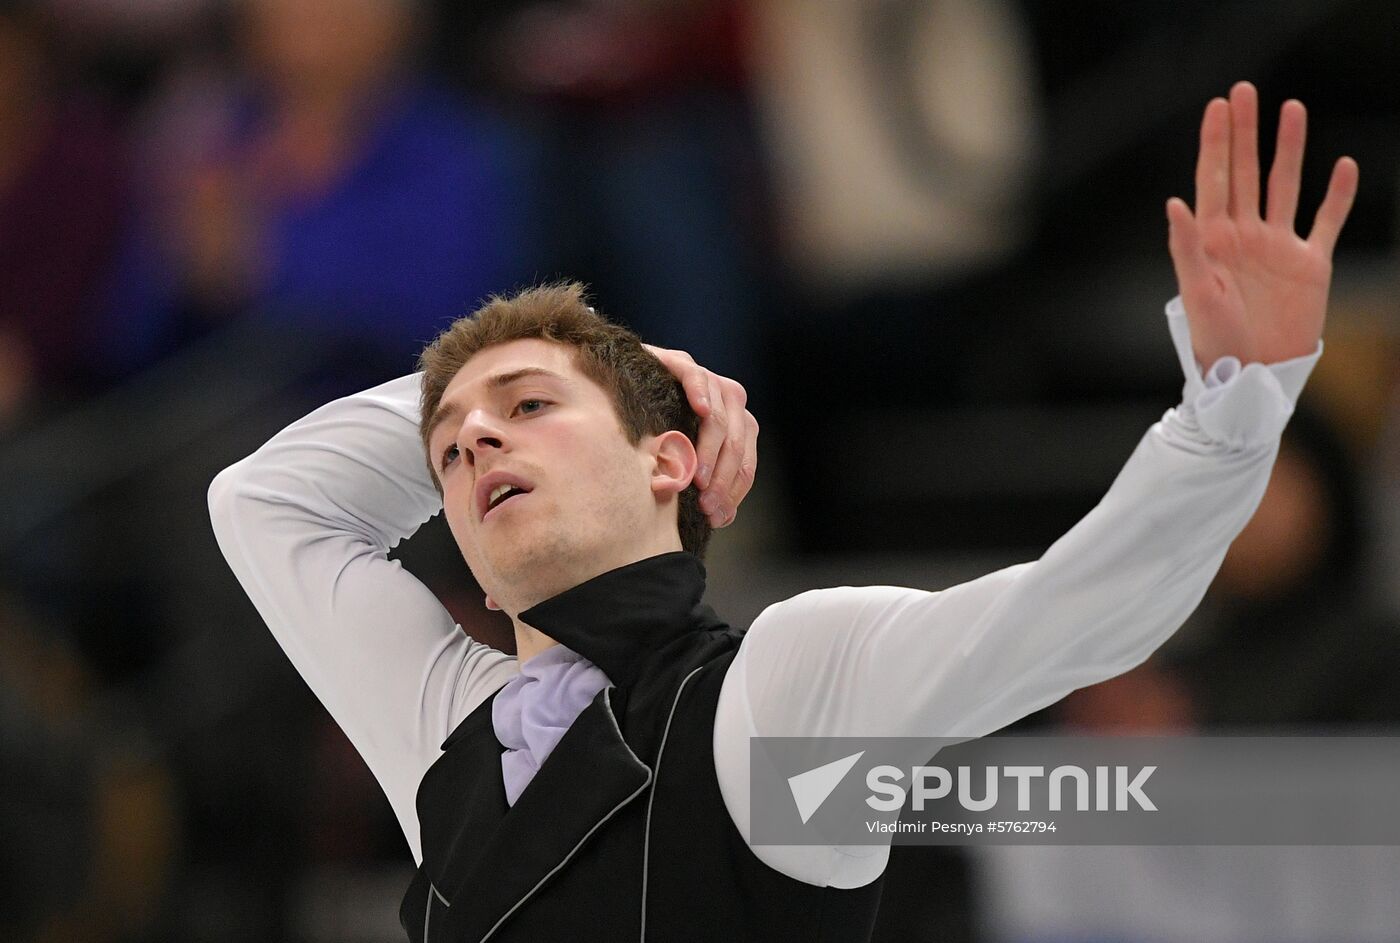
(501, 494)
(496, 489)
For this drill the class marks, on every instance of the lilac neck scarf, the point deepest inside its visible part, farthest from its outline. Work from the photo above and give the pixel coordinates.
(535, 707)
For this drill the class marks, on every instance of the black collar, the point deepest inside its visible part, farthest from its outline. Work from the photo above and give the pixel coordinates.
(617, 618)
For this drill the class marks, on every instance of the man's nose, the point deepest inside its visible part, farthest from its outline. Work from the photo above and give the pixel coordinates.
(481, 432)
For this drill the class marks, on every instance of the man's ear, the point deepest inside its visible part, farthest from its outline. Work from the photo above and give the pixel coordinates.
(492, 604)
(674, 463)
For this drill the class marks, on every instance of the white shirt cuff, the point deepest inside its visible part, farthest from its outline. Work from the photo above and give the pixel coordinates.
(1232, 403)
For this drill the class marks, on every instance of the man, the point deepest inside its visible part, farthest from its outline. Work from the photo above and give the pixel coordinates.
(596, 786)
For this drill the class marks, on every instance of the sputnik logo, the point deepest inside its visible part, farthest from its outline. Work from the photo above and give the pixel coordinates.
(812, 788)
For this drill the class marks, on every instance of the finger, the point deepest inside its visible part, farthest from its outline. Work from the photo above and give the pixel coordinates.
(748, 468)
(1184, 243)
(693, 377)
(734, 391)
(1244, 151)
(1332, 214)
(1213, 162)
(1288, 164)
(714, 428)
(727, 485)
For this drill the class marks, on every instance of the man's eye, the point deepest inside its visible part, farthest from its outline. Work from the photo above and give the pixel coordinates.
(530, 406)
(449, 455)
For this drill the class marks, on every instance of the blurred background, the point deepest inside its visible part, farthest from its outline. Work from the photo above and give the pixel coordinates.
(928, 236)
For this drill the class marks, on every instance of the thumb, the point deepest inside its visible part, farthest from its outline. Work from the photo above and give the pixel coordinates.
(1184, 244)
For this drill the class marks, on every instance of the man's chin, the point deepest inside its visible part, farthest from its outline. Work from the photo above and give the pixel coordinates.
(526, 575)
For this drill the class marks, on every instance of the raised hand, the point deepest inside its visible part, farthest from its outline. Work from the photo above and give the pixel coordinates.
(1252, 287)
(728, 443)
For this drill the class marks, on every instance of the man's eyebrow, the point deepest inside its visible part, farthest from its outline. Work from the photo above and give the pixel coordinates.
(446, 411)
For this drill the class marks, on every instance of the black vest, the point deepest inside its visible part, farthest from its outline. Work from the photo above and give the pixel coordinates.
(623, 833)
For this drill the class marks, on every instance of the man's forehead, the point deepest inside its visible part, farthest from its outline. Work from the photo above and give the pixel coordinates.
(530, 356)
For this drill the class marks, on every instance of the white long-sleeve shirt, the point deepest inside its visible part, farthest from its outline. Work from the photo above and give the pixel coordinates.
(307, 522)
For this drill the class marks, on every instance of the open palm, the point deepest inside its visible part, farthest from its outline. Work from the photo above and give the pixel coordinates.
(1251, 286)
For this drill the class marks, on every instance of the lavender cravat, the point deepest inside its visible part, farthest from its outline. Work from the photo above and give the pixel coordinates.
(535, 708)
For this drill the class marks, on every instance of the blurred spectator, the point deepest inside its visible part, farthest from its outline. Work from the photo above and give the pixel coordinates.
(1292, 631)
(324, 179)
(62, 195)
(903, 137)
(650, 188)
(89, 827)
(903, 133)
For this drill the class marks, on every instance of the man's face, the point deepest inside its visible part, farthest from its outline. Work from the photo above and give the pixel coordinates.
(541, 488)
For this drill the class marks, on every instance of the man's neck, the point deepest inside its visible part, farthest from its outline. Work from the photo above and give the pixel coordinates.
(530, 642)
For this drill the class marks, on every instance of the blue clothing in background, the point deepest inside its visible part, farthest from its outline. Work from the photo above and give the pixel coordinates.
(427, 220)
